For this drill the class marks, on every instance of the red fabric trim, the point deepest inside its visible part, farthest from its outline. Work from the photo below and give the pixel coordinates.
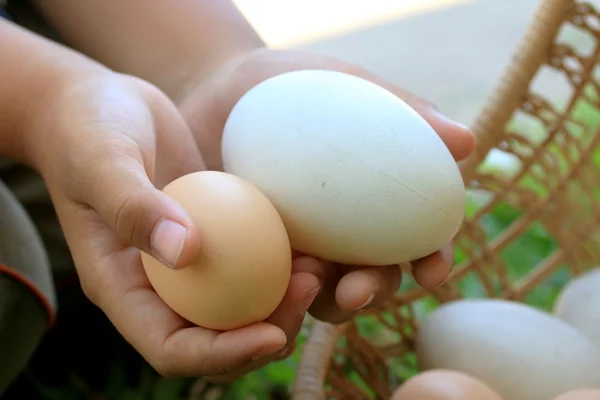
(36, 291)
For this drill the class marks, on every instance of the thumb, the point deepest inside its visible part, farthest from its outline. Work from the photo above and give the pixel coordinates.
(142, 215)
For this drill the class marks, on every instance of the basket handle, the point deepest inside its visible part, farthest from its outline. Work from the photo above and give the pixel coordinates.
(315, 359)
(509, 92)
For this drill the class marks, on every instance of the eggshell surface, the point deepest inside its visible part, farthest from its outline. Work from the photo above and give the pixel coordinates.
(444, 385)
(356, 174)
(578, 303)
(244, 266)
(580, 394)
(519, 351)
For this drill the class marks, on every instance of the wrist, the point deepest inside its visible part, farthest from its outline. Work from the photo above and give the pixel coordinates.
(166, 44)
(215, 69)
(33, 66)
(44, 113)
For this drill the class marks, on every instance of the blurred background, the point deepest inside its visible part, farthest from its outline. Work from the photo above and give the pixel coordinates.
(450, 52)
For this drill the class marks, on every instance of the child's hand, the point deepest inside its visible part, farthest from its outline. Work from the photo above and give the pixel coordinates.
(206, 34)
(100, 142)
(344, 288)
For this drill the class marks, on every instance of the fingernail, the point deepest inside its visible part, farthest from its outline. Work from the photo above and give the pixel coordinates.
(447, 253)
(285, 352)
(168, 240)
(267, 351)
(366, 303)
(310, 296)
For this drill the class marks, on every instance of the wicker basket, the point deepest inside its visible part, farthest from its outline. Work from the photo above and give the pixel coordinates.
(552, 188)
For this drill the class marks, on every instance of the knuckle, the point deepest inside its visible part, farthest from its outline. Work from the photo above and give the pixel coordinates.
(150, 92)
(135, 213)
(126, 218)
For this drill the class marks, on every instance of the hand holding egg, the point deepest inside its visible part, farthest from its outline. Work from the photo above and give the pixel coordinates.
(343, 161)
(375, 211)
(110, 207)
(106, 191)
(245, 262)
(400, 212)
(344, 287)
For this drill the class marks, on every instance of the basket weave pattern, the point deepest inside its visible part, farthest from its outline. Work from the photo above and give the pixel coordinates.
(552, 189)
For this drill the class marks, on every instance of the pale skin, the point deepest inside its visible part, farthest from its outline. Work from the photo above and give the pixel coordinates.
(106, 142)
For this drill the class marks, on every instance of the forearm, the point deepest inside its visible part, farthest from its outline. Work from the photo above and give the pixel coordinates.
(31, 66)
(169, 43)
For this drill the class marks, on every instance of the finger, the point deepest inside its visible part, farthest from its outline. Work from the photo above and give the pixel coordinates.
(324, 307)
(302, 290)
(113, 178)
(286, 352)
(367, 287)
(346, 289)
(140, 214)
(229, 351)
(433, 270)
(113, 170)
(458, 138)
(280, 356)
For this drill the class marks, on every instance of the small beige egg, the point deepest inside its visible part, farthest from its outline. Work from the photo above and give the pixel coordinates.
(580, 394)
(444, 385)
(244, 266)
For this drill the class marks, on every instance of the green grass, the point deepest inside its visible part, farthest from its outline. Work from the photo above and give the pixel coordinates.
(103, 372)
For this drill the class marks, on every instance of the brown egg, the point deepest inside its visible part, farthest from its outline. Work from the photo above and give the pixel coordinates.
(439, 384)
(245, 265)
(580, 394)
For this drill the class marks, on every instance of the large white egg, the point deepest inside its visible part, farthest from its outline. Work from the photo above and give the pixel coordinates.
(521, 352)
(356, 174)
